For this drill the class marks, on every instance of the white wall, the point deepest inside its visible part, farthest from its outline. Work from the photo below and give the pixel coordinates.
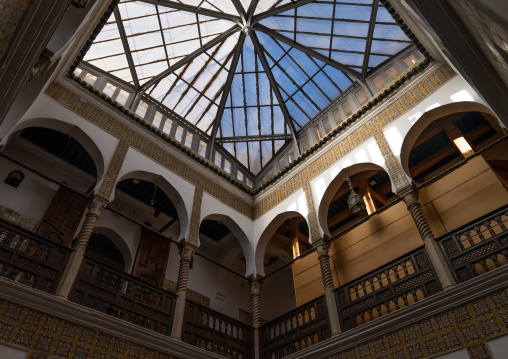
(499, 347)
(33, 195)
(12, 352)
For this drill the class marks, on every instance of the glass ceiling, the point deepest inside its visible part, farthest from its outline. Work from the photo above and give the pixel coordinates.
(249, 73)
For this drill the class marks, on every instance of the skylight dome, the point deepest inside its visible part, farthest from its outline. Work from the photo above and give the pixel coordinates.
(249, 74)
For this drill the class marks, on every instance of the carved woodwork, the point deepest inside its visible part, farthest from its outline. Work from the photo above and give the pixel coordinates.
(152, 258)
(62, 217)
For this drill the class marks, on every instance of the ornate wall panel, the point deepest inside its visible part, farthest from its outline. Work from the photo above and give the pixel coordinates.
(195, 216)
(11, 12)
(111, 176)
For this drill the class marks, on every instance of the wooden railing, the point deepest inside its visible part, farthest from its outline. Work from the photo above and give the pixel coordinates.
(217, 333)
(123, 296)
(30, 259)
(479, 246)
(299, 329)
(400, 283)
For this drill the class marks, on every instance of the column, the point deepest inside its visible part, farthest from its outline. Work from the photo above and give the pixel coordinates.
(255, 297)
(324, 261)
(70, 273)
(443, 272)
(186, 252)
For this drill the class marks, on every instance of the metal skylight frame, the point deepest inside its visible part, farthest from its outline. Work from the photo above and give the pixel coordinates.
(245, 22)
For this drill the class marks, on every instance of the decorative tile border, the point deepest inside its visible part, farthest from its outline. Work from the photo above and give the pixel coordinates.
(111, 176)
(146, 146)
(45, 335)
(315, 233)
(195, 216)
(372, 128)
(468, 326)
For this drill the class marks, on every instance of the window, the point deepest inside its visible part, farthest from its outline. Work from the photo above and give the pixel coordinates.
(77, 72)
(202, 148)
(227, 166)
(14, 178)
(346, 107)
(179, 134)
(89, 78)
(188, 139)
(283, 162)
(141, 110)
(337, 116)
(291, 155)
(379, 82)
(304, 142)
(157, 119)
(248, 181)
(317, 133)
(240, 175)
(167, 126)
(411, 60)
(122, 97)
(269, 175)
(361, 96)
(109, 89)
(392, 73)
(327, 125)
(218, 159)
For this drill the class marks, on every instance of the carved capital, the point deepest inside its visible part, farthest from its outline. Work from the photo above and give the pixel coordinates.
(186, 251)
(97, 205)
(410, 196)
(255, 284)
(322, 247)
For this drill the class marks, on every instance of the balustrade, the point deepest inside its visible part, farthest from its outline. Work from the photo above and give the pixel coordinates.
(398, 284)
(30, 259)
(299, 329)
(479, 246)
(123, 296)
(217, 333)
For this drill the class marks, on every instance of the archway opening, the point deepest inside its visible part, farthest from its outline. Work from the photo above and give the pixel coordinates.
(104, 250)
(373, 186)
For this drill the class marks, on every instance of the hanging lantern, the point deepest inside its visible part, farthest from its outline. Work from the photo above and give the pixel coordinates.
(355, 202)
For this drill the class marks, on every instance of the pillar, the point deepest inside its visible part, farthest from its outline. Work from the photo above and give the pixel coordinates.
(70, 273)
(324, 261)
(436, 256)
(186, 252)
(255, 297)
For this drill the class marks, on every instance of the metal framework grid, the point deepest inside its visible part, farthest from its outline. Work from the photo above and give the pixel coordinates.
(248, 73)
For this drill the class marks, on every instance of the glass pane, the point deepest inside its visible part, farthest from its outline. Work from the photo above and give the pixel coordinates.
(227, 166)
(346, 107)
(167, 126)
(304, 142)
(89, 78)
(77, 72)
(109, 89)
(141, 110)
(122, 97)
(202, 148)
(317, 133)
(337, 116)
(379, 82)
(240, 175)
(157, 119)
(291, 155)
(410, 60)
(327, 125)
(392, 73)
(283, 162)
(179, 134)
(188, 139)
(218, 159)
(248, 181)
(361, 96)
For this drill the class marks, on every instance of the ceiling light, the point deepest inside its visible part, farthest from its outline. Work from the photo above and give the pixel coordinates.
(355, 202)
(463, 146)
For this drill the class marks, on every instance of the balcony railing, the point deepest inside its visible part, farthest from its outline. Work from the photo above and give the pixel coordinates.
(478, 247)
(123, 296)
(299, 329)
(402, 282)
(30, 259)
(217, 333)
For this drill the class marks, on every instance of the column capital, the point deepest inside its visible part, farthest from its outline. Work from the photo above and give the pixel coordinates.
(187, 250)
(410, 196)
(322, 246)
(96, 205)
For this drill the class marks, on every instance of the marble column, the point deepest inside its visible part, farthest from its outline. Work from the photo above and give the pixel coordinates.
(70, 273)
(436, 256)
(322, 248)
(187, 250)
(255, 297)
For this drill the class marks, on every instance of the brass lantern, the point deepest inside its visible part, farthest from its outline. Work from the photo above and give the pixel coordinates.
(355, 201)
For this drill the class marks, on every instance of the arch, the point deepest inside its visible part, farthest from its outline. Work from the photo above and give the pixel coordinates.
(439, 112)
(119, 243)
(69, 129)
(240, 235)
(267, 235)
(168, 189)
(334, 186)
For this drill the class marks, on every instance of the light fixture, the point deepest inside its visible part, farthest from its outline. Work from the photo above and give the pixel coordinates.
(355, 202)
(463, 146)
(154, 191)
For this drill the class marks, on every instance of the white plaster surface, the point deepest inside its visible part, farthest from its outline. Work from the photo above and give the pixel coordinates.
(499, 347)
(12, 352)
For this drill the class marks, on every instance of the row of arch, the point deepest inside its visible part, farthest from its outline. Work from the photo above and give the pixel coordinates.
(254, 255)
